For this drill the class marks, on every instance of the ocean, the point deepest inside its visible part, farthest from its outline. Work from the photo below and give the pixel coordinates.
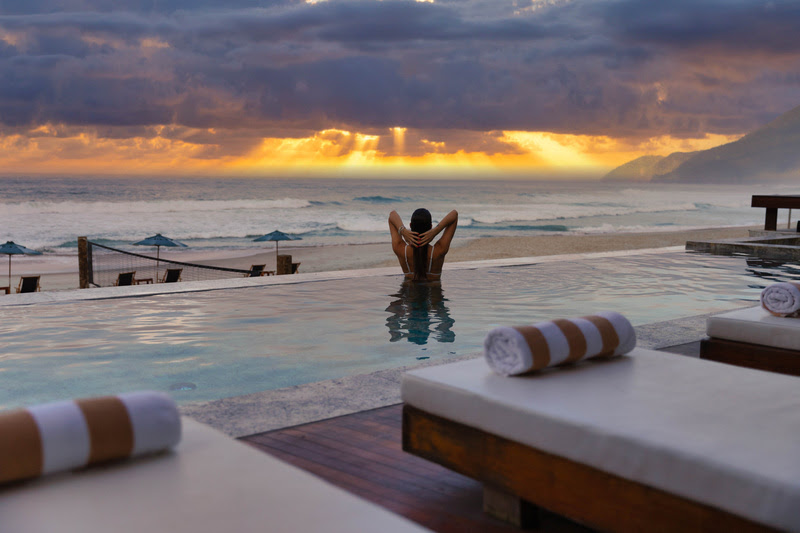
(221, 214)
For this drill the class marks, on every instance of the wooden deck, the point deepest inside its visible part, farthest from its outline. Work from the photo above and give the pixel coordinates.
(361, 454)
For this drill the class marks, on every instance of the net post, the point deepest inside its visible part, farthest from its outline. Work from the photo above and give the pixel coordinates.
(84, 263)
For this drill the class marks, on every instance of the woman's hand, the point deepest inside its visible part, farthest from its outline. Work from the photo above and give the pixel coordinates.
(425, 238)
(411, 237)
(448, 221)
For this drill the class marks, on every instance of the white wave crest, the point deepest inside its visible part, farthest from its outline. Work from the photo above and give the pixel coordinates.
(536, 212)
(363, 223)
(179, 206)
(612, 228)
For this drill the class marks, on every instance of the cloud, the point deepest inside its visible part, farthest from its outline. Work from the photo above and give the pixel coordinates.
(749, 27)
(625, 68)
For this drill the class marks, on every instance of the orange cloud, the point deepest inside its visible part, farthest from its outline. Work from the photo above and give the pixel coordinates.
(393, 151)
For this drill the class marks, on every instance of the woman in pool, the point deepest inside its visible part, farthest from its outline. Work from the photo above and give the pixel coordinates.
(420, 260)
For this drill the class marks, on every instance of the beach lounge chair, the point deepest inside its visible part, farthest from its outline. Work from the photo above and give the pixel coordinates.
(125, 279)
(258, 270)
(645, 442)
(754, 338)
(209, 483)
(29, 284)
(171, 275)
(295, 267)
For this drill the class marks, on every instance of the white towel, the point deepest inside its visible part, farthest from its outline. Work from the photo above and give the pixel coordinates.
(67, 435)
(520, 349)
(782, 299)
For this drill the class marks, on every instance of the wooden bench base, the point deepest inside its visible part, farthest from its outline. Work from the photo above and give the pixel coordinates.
(576, 491)
(749, 355)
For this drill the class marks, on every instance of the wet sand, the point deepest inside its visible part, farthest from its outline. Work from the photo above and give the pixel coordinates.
(61, 272)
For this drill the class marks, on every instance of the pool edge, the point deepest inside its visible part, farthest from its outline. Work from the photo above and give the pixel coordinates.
(135, 291)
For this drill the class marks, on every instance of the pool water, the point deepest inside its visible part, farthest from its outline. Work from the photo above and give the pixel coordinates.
(208, 345)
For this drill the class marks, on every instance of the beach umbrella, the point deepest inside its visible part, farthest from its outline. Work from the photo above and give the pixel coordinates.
(11, 248)
(276, 236)
(158, 241)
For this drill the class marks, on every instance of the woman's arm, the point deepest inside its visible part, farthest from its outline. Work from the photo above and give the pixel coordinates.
(448, 224)
(400, 233)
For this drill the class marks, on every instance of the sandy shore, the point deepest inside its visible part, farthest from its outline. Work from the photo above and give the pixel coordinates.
(61, 272)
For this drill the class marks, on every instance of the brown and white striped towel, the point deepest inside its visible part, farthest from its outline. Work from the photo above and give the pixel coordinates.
(520, 349)
(782, 299)
(61, 436)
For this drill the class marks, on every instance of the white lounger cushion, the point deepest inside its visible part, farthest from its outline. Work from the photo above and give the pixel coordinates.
(713, 433)
(211, 483)
(756, 326)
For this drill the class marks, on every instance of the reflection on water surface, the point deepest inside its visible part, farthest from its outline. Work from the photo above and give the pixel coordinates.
(419, 311)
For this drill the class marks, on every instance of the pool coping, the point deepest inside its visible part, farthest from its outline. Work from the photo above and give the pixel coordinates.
(137, 291)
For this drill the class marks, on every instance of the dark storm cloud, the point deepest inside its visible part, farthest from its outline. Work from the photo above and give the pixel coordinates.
(742, 26)
(621, 68)
(28, 7)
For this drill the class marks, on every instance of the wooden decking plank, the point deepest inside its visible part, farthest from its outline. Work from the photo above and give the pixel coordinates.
(339, 439)
(337, 435)
(351, 440)
(343, 437)
(396, 500)
(407, 503)
(370, 429)
(394, 458)
(361, 453)
(351, 463)
(375, 435)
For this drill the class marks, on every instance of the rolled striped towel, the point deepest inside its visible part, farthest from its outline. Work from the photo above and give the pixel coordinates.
(61, 436)
(520, 349)
(782, 299)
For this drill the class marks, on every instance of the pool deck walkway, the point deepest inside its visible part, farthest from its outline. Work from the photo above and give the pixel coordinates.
(361, 453)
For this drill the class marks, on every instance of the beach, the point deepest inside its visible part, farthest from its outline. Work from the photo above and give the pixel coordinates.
(60, 272)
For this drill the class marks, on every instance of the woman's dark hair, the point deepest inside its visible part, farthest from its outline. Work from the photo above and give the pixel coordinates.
(420, 223)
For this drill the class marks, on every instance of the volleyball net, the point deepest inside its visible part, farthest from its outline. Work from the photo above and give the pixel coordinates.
(109, 266)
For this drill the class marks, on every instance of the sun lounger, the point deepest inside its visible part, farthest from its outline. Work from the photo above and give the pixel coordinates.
(644, 442)
(210, 483)
(124, 279)
(29, 284)
(755, 339)
(258, 270)
(172, 275)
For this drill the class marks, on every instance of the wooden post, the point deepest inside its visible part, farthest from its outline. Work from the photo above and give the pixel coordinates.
(771, 219)
(84, 263)
(510, 508)
(284, 265)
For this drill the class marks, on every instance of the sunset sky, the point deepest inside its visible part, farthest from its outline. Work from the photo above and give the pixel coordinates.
(385, 88)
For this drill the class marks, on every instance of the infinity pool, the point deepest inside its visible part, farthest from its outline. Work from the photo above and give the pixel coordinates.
(208, 345)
